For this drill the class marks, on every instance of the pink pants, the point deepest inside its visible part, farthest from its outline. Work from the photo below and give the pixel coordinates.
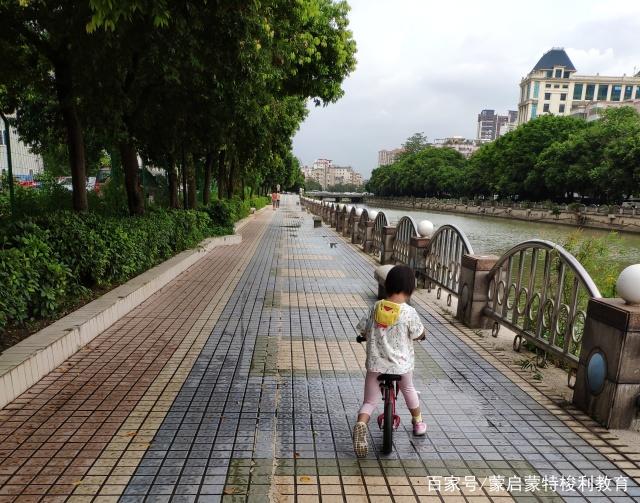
(372, 392)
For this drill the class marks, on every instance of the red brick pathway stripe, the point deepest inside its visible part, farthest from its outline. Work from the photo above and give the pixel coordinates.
(52, 434)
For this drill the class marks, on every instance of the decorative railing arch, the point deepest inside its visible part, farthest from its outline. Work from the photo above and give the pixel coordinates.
(540, 291)
(443, 260)
(377, 237)
(405, 230)
(361, 231)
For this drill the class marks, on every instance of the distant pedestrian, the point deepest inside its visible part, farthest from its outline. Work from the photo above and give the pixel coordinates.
(278, 200)
(390, 328)
(274, 199)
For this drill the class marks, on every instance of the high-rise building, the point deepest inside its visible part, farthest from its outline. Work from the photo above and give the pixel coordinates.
(24, 163)
(487, 125)
(386, 157)
(553, 86)
(491, 125)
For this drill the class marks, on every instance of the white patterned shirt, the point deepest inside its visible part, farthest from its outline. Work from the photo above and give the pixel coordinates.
(390, 349)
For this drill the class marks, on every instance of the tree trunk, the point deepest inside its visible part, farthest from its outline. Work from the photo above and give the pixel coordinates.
(232, 166)
(221, 173)
(206, 190)
(129, 156)
(185, 203)
(75, 137)
(191, 182)
(173, 186)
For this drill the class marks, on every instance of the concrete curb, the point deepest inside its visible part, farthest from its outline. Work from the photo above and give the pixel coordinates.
(24, 364)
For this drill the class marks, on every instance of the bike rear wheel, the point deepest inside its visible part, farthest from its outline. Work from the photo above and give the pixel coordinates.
(387, 425)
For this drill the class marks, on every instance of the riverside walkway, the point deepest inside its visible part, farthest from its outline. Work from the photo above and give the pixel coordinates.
(241, 379)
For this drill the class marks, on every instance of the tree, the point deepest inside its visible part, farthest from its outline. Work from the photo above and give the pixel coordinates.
(311, 184)
(44, 45)
(414, 144)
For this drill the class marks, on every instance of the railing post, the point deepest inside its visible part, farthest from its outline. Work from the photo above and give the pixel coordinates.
(474, 288)
(354, 230)
(417, 248)
(388, 236)
(368, 237)
(608, 377)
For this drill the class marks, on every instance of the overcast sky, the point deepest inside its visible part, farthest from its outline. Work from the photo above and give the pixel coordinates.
(432, 66)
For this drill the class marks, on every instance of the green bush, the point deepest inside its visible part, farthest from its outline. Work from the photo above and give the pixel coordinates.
(49, 260)
(34, 282)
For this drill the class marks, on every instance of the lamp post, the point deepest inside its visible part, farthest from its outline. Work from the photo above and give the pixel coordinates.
(7, 142)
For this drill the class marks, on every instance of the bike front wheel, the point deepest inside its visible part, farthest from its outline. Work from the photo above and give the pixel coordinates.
(387, 425)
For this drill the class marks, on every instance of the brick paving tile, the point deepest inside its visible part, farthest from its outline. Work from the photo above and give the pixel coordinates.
(240, 381)
(52, 435)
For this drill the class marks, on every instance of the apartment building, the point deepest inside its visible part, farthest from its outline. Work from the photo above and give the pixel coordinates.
(553, 86)
(386, 157)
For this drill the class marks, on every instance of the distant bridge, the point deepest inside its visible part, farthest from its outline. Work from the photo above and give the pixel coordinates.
(354, 197)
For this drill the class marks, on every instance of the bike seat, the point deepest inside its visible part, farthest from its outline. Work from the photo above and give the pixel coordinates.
(389, 377)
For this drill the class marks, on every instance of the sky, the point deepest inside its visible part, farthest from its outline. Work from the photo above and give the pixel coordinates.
(431, 67)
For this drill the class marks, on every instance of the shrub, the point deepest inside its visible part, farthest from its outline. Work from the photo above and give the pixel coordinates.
(49, 260)
(35, 284)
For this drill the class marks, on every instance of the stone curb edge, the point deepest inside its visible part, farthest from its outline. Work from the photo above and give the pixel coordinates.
(24, 364)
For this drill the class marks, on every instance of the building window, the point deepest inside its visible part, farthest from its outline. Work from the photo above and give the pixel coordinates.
(591, 89)
(549, 74)
(556, 86)
(577, 91)
(561, 109)
(565, 86)
(616, 92)
(536, 89)
(638, 92)
(563, 97)
(567, 74)
(558, 73)
(547, 86)
(603, 90)
(534, 110)
(545, 108)
(628, 92)
(547, 96)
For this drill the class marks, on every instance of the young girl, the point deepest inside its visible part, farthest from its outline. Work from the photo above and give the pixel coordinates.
(390, 328)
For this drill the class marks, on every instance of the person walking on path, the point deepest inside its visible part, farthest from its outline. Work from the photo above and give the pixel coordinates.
(390, 328)
(278, 199)
(274, 199)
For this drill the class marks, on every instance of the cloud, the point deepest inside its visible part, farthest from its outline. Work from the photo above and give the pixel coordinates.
(431, 67)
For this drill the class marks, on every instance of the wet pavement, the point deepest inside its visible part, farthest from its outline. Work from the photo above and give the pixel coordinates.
(241, 379)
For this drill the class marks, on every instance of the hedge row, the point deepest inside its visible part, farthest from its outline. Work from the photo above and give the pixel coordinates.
(48, 262)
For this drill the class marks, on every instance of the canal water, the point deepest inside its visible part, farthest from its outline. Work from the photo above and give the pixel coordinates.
(496, 235)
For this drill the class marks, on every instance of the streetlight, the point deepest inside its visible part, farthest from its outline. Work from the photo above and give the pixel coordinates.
(7, 142)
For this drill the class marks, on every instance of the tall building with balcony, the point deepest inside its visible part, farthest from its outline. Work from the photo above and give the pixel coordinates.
(24, 163)
(326, 174)
(386, 157)
(553, 86)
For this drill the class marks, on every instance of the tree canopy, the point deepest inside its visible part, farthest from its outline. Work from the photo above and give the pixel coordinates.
(213, 91)
(548, 158)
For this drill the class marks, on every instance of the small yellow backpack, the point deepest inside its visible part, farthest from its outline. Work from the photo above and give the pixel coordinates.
(386, 313)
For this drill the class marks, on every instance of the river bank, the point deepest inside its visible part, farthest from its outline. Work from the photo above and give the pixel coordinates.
(608, 222)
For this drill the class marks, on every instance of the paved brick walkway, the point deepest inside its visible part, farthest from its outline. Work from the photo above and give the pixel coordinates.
(240, 381)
